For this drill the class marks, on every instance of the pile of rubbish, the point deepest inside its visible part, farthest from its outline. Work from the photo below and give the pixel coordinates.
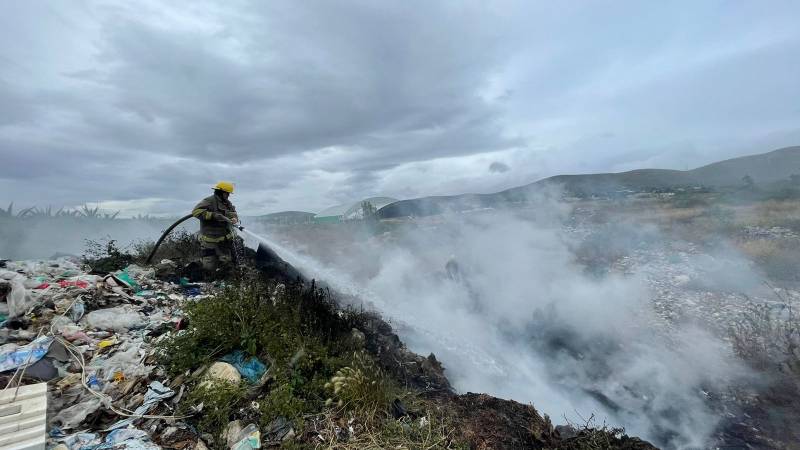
(92, 339)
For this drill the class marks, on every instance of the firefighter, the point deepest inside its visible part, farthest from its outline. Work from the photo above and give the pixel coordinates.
(217, 214)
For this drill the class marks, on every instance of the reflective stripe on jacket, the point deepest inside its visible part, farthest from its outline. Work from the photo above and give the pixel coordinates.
(205, 238)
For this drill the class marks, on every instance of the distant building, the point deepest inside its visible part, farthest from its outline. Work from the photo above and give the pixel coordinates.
(350, 211)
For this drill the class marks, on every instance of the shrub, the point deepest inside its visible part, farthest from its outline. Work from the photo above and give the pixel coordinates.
(179, 245)
(768, 336)
(103, 255)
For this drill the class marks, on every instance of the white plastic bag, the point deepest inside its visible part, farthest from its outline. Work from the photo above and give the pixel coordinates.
(128, 361)
(18, 299)
(119, 318)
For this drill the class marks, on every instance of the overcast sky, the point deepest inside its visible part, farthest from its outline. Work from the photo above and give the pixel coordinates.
(141, 106)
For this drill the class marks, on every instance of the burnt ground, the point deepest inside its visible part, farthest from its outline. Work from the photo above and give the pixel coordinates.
(482, 421)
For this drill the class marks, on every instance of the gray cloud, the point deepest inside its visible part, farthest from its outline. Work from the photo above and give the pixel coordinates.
(310, 104)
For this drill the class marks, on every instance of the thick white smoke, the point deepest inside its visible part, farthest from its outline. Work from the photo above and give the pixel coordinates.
(43, 238)
(500, 301)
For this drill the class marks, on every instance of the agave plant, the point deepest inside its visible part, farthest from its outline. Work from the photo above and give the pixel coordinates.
(91, 213)
(67, 213)
(7, 212)
(27, 212)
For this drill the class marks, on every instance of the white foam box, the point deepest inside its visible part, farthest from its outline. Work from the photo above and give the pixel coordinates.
(23, 416)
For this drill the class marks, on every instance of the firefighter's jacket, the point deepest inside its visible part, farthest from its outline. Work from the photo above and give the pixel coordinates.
(212, 229)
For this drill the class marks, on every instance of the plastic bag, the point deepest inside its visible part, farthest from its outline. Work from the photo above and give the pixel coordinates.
(128, 439)
(119, 318)
(250, 368)
(140, 272)
(73, 416)
(77, 311)
(75, 441)
(155, 393)
(127, 361)
(128, 280)
(18, 299)
(13, 356)
(249, 438)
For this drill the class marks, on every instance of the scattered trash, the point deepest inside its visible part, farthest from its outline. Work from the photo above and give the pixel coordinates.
(250, 368)
(79, 284)
(74, 416)
(18, 300)
(93, 383)
(107, 343)
(127, 280)
(13, 356)
(127, 360)
(232, 431)
(248, 438)
(155, 393)
(93, 337)
(74, 441)
(128, 438)
(277, 431)
(119, 318)
(77, 311)
(193, 291)
(221, 371)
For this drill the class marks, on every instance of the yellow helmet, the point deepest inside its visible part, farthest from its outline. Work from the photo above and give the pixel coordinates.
(226, 186)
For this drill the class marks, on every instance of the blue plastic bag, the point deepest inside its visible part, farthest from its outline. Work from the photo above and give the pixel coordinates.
(13, 356)
(251, 368)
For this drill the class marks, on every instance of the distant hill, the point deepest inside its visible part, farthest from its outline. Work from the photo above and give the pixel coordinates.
(286, 217)
(764, 168)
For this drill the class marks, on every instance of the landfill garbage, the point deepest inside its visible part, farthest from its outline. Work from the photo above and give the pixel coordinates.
(221, 371)
(127, 361)
(13, 356)
(107, 343)
(278, 430)
(247, 439)
(251, 369)
(119, 318)
(77, 283)
(44, 369)
(138, 272)
(127, 280)
(93, 340)
(193, 291)
(93, 383)
(77, 311)
(18, 299)
(74, 441)
(155, 393)
(73, 416)
(128, 438)
(232, 431)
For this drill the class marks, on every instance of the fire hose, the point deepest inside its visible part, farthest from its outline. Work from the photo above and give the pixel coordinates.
(171, 227)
